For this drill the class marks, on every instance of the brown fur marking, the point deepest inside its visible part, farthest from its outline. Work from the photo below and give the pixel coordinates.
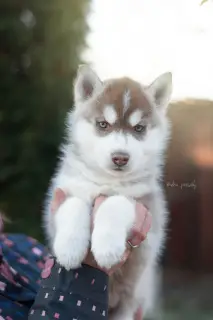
(113, 95)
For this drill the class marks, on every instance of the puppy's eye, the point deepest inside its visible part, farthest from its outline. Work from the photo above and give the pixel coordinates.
(103, 124)
(139, 128)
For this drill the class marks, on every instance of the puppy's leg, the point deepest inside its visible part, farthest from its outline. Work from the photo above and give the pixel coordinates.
(138, 291)
(125, 311)
(113, 221)
(72, 236)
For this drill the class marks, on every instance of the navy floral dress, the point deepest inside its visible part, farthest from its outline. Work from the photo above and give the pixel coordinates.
(34, 286)
(22, 259)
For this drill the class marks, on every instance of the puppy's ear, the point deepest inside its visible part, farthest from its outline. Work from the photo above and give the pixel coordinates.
(161, 90)
(87, 84)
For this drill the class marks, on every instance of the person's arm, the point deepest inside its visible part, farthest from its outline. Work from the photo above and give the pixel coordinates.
(75, 294)
(83, 293)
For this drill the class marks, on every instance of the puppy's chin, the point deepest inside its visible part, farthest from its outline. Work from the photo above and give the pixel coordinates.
(117, 172)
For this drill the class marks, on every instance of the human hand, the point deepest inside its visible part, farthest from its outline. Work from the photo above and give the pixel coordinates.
(138, 233)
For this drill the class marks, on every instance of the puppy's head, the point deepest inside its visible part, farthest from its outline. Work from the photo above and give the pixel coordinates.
(119, 127)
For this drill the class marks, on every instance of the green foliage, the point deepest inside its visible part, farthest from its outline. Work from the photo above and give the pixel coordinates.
(204, 1)
(41, 46)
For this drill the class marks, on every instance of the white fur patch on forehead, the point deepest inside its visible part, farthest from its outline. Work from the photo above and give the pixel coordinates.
(135, 117)
(126, 100)
(110, 114)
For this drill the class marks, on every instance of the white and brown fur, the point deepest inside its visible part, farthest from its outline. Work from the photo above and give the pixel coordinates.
(86, 170)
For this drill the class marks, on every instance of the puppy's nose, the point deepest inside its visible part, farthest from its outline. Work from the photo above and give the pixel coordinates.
(120, 158)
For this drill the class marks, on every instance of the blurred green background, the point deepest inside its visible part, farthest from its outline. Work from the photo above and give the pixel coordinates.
(41, 46)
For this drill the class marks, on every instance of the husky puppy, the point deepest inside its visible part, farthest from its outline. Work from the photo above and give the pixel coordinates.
(116, 137)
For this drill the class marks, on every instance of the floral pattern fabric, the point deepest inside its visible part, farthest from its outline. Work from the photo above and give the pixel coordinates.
(21, 260)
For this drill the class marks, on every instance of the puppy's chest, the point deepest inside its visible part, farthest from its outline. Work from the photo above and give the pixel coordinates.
(89, 191)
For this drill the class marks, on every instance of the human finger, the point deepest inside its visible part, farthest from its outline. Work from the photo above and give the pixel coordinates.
(141, 226)
(58, 198)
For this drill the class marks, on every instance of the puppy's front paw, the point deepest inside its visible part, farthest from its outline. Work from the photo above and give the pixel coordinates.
(72, 221)
(108, 248)
(113, 220)
(70, 249)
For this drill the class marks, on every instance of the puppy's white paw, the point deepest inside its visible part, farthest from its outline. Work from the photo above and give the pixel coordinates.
(71, 242)
(113, 220)
(70, 249)
(108, 248)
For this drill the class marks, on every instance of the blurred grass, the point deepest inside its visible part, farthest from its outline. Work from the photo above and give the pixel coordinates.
(185, 314)
(187, 296)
